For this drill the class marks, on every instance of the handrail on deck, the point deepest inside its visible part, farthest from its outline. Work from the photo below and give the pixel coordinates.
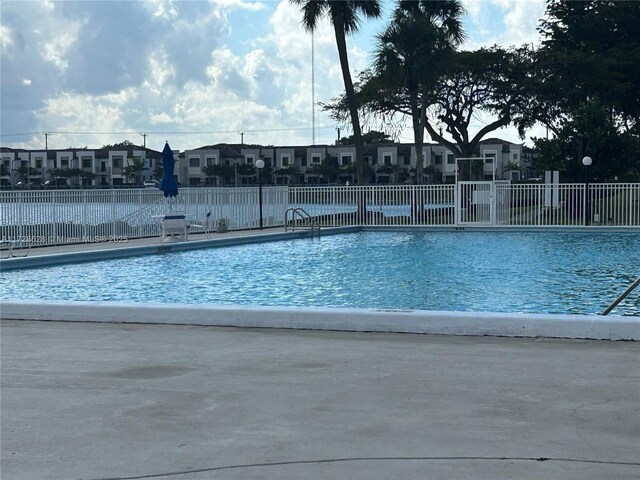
(304, 216)
(621, 297)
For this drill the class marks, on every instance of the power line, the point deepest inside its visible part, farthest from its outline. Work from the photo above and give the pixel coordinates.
(129, 132)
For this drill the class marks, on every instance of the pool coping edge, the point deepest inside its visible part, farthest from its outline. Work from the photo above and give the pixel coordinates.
(594, 327)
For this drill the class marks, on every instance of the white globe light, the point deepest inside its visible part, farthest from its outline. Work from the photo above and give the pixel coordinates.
(260, 163)
(586, 161)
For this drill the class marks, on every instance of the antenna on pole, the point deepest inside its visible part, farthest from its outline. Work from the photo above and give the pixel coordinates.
(241, 138)
(144, 135)
(313, 91)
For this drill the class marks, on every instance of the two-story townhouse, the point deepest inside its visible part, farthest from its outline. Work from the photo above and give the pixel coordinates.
(285, 160)
(386, 163)
(190, 172)
(501, 159)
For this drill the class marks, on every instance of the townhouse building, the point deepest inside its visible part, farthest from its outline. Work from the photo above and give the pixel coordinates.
(78, 167)
(234, 165)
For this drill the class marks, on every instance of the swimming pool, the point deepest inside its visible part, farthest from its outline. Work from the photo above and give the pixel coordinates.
(536, 272)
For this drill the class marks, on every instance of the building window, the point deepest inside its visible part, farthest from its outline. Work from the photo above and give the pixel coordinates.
(514, 156)
(103, 167)
(345, 159)
(211, 161)
(438, 158)
(386, 159)
(86, 162)
(489, 157)
(64, 162)
(250, 159)
(407, 160)
(303, 161)
(285, 160)
(38, 162)
(315, 158)
(194, 162)
(374, 160)
(117, 162)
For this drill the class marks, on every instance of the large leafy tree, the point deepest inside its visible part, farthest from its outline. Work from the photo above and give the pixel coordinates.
(413, 52)
(374, 136)
(225, 173)
(585, 87)
(345, 19)
(590, 131)
(492, 80)
(591, 49)
(328, 168)
(123, 144)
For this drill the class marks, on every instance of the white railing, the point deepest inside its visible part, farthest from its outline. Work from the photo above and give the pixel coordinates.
(55, 217)
(615, 204)
(376, 205)
(51, 217)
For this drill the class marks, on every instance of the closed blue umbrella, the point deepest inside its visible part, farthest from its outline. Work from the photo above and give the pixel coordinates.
(168, 184)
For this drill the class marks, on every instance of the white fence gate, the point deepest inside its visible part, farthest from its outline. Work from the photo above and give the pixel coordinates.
(483, 202)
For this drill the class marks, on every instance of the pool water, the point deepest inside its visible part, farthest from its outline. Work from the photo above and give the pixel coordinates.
(535, 272)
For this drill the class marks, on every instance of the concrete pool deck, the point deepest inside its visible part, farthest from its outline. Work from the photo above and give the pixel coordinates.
(98, 401)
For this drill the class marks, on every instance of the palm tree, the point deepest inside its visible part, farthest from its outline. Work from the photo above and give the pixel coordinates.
(412, 53)
(344, 16)
(134, 168)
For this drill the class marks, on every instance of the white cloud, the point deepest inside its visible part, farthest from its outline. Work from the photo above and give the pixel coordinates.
(160, 72)
(240, 4)
(160, 118)
(502, 22)
(193, 67)
(56, 50)
(7, 40)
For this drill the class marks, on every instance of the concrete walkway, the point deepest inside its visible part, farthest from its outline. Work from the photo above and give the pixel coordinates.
(98, 401)
(134, 242)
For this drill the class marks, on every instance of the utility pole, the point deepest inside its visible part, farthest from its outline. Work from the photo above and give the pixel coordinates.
(241, 138)
(144, 135)
(46, 154)
(313, 92)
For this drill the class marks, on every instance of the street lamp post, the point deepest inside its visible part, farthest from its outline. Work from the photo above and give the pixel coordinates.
(260, 166)
(587, 161)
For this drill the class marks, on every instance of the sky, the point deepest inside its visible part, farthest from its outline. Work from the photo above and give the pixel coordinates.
(194, 73)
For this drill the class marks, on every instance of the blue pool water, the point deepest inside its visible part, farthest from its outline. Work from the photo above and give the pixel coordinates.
(455, 271)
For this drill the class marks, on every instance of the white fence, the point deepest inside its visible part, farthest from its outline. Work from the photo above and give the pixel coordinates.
(56, 217)
(50, 217)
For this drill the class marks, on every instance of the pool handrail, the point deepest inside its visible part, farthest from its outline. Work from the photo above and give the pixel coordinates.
(304, 216)
(621, 297)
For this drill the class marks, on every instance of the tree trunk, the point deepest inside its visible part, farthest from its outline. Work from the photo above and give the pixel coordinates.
(418, 135)
(341, 43)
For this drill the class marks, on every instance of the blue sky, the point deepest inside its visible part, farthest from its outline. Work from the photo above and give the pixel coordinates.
(191, 72)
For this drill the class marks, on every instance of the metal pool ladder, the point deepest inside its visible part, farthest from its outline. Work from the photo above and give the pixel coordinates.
(621, 297)
(301, 214)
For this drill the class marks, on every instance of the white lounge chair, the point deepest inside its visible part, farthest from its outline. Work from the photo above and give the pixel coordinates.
(175, 224)
(205, 226)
